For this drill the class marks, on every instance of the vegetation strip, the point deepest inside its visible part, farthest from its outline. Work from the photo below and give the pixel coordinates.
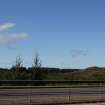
(34, 87)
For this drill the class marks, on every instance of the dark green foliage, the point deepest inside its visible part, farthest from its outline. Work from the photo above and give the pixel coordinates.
(40, 73)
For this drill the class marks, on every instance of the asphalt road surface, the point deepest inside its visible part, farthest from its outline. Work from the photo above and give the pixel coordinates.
(51, 95)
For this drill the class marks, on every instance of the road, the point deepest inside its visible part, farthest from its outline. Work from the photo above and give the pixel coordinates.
(51, 95)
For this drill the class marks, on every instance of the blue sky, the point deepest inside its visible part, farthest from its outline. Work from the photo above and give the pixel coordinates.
(66, 33)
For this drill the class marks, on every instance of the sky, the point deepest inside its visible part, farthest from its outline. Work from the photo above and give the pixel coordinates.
(65, 33)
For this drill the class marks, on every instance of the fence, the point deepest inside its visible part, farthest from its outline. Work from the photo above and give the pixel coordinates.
(45, 82)
(58, 92)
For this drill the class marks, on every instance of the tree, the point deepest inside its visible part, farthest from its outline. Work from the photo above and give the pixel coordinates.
(36, 61)
(19, 62)
(36, 66)
(18, 67)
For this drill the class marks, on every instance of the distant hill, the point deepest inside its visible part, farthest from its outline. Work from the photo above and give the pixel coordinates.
(90, 73)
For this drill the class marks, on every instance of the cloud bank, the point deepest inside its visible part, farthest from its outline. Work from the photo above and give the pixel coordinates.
(10, 37)
(6, 26)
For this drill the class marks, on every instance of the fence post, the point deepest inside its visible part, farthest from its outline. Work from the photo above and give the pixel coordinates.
(69, 95)
(30, 97)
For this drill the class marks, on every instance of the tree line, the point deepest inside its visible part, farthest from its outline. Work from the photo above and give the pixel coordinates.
(37, 72)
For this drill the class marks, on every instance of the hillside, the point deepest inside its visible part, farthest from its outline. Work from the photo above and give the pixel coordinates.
(45, 73)
(90, 73)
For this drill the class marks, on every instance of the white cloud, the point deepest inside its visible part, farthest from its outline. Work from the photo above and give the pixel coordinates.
(10, 37)
(6, 26)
